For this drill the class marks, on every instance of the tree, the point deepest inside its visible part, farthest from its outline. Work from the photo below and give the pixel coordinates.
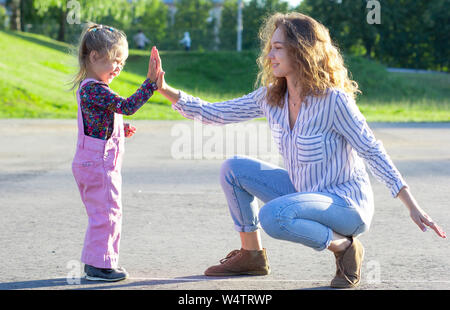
(254, 13)
(346, 21)
(90, 10)
(15, 21)
(228, 27)
(415, 34)
(2, 17)
(412, 33)
(150, 16)
(63, 19)
(438, 31)
(43, 7)
(192, 16)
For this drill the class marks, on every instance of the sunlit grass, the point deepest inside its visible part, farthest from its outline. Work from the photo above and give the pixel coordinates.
(35, 71)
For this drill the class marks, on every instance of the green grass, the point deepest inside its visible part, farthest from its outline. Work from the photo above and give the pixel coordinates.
(34, 71)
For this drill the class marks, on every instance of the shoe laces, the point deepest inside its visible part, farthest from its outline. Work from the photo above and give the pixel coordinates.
(230, 255)
(341, 270)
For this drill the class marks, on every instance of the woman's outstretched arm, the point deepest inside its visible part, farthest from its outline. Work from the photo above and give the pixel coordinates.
(219, 113)
(172, 94)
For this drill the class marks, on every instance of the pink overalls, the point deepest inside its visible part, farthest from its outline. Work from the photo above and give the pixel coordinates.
(97, 170)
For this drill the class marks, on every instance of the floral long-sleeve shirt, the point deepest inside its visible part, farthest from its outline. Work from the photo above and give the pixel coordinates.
(99, 103)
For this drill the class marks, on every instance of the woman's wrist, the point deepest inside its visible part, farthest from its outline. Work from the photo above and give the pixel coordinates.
(170, 93)
(164, 88)
(407, 198)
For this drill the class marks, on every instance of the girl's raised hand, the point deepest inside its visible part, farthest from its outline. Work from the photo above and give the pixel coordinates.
(160, 82)
(153, 69)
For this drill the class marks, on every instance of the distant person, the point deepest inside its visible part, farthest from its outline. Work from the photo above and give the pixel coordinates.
(141, 40)
(323, 198)
(186, 41)
(99, 153)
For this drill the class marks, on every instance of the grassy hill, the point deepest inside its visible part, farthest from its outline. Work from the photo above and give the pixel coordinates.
(35, 70)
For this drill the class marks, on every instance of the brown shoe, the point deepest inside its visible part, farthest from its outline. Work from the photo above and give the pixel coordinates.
(348, 266)
(241, 262)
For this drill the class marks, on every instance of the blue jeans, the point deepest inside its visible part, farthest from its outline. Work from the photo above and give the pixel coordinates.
(306, 218)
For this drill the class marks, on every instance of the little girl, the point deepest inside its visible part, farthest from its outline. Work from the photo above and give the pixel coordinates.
(100, 147)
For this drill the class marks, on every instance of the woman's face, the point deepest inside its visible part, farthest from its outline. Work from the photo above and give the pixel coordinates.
(278, 55)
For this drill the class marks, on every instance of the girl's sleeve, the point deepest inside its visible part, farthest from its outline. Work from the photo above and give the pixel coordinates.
(352, 125)
(225, 112)
(101, 95)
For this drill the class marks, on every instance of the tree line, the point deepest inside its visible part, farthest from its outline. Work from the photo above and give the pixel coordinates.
(408, 33)
(411, 33)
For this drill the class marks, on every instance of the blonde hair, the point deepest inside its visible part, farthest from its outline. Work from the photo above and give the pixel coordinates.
(105, 40)
(318, 61)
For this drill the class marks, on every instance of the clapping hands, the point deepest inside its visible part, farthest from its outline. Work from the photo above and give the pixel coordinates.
(155, 60)
(157, 74)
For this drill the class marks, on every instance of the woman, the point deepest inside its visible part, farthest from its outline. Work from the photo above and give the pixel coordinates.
(324, 198)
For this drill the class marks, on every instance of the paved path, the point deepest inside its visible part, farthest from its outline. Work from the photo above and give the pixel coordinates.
(176, 221)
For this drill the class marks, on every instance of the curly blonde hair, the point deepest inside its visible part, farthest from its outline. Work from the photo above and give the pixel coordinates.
(320, 65)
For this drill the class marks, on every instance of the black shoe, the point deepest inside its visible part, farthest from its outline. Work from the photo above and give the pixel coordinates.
(101, 274)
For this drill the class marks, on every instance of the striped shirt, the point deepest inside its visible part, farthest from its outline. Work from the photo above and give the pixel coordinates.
(326, 149)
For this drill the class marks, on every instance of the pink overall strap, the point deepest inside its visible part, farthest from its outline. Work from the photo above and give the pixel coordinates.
(94, 144)
(80, 115)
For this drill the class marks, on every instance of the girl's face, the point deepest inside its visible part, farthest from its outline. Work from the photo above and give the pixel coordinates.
(105, 69)
(278, 55)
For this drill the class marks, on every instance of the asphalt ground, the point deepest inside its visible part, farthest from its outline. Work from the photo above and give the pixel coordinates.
(176, 221)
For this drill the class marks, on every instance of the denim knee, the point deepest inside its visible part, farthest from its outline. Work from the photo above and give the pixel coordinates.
(364, 227)
(269, 221)
(228, 168)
